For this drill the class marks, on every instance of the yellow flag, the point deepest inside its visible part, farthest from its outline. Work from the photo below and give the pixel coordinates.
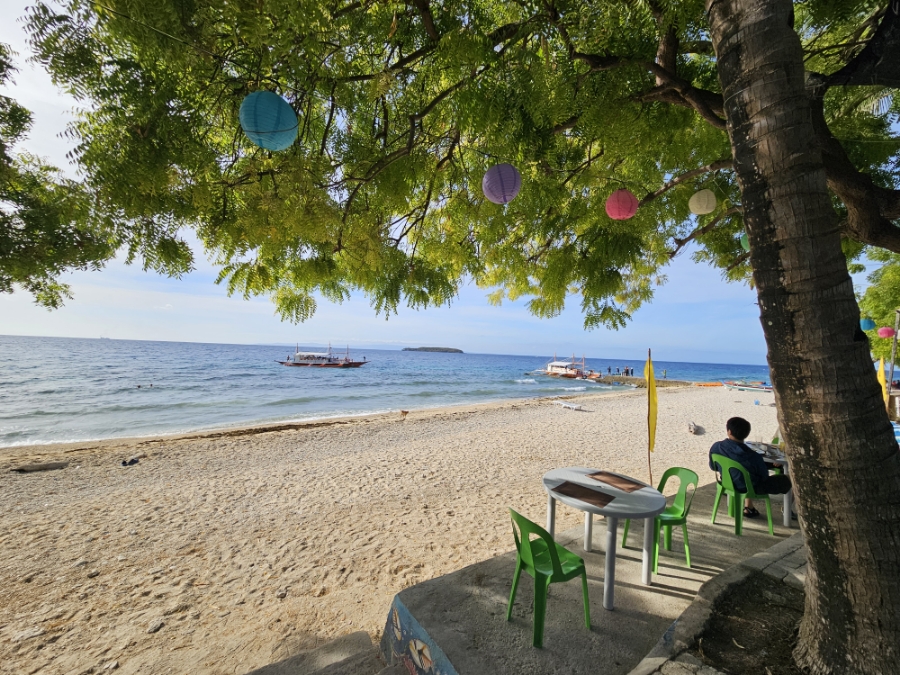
(883, 381)
(651, 402)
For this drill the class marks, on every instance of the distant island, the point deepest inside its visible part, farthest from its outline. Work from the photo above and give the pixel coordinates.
(449, 350)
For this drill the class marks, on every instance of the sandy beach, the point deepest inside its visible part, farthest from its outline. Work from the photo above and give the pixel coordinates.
(224, 552)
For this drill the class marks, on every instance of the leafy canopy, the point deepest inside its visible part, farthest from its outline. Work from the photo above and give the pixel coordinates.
(50, 224)
(403, 106)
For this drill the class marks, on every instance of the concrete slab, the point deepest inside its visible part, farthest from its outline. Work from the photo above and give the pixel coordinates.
(464, 612)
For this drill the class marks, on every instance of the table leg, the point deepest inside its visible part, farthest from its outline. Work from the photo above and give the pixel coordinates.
(788, 503)
(647, 555)
(609, 581)
(551, 514)
(588, 530)
(788, 507)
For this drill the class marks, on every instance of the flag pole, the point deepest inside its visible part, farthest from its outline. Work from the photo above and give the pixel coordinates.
(890, 383)
(649, 420)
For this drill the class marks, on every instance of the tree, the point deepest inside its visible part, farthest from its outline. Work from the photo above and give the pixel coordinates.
(42, 216)
(403, 107)
(882, 299)
(50, 224)
(829, 404)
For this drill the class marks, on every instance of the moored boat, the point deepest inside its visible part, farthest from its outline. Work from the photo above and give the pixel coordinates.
(568, 369)
(321, 359)
(741, 385)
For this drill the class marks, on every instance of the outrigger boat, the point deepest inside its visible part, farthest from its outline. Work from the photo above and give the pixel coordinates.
(568, 369)
(321, 359)
(747, 386)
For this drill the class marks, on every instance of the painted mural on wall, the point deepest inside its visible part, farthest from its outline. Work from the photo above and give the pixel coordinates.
(406, 642)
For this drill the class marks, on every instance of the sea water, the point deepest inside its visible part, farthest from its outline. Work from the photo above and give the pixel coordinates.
(68, 389)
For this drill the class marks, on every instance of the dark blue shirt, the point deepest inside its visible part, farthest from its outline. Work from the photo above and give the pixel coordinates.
(743, 455)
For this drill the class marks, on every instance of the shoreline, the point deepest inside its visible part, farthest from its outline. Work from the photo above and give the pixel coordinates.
(244, 428)
(67, 447)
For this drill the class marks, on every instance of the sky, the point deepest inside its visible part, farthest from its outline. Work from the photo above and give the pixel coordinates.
(695, 317)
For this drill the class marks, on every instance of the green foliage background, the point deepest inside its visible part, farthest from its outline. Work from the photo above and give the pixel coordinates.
(402, 108)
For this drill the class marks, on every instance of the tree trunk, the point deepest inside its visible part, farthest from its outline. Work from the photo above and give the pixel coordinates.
(840, 445)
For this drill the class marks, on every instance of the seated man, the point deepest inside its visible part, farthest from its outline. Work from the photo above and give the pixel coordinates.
(733, 447)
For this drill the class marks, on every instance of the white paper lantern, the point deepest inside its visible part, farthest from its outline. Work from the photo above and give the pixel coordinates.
(702, 202)
(501, 183)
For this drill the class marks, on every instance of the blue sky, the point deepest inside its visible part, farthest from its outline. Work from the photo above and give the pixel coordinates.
(695, 317)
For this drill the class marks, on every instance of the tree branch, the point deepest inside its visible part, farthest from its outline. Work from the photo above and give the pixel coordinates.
(708, 104)
(879, 62)
(565, 126)
(700, 231)
(742, 258)
(687, 175)
(328, 122)
(427, 18)
(870, 207)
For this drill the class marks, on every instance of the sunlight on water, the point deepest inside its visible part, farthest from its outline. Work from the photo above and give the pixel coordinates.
(62, 389)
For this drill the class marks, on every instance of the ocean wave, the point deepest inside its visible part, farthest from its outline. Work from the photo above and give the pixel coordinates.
(529, 380)
(572, 388)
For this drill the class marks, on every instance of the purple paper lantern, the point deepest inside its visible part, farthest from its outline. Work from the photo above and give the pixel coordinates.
(501, 183)
(621, 205)
(886, 332)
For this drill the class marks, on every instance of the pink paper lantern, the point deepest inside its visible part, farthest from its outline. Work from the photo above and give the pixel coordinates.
(501, 183)
(886, 332)
(621, 205)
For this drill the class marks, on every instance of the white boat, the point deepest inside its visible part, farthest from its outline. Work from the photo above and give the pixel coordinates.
(569, 369)
(321, 359)
(743, 385)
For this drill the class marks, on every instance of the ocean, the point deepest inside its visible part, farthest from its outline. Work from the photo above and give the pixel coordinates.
(55, 390)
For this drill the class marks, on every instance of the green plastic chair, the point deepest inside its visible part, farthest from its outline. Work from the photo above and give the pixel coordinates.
(737, 498)
(676, 514)
(548, 563)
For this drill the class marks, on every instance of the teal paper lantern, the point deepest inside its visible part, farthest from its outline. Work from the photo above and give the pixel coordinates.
(268, 120)
(745, 242)
(866, 324)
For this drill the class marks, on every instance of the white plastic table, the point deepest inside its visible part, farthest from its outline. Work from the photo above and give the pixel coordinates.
(646, 503)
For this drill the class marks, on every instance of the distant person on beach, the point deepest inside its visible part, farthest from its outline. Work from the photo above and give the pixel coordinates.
(617, 371)
(733, 447)
(664, 374)
(609, 370)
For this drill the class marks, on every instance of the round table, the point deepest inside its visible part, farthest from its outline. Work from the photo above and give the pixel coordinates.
(646, 503)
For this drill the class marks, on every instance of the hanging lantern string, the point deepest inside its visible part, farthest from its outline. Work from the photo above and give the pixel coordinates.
(224, 59)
